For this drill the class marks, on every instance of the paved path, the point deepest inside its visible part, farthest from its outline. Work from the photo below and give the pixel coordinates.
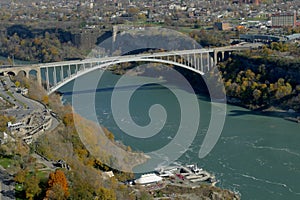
(49, 164)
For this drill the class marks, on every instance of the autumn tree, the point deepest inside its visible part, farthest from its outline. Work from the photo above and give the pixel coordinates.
(20, 176)
(3, 122)
(17, 83)
(282, 88)
(32, 188)
(56, 193)
(68, 119)
(257, 94)
(57, 186)
(106, 194)
(45, 100)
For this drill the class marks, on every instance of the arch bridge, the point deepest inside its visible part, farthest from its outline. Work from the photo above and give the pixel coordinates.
(54, 75)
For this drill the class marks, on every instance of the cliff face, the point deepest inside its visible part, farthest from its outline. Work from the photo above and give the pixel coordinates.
(84, 39)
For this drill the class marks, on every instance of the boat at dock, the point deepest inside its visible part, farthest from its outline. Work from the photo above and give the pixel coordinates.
(189, 173)
(200, 179)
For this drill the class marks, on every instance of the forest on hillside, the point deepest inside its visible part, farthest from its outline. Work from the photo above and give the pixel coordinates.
(46, 47)
(266, 77)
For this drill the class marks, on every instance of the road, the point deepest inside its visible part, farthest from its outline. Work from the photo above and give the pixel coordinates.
(49, 164)
(23, 106)
(7, 188)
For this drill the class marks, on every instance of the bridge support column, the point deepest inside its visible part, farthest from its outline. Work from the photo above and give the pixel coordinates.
(201, 60)
(216, 56)
(39, 76)
(76, 68)
(223, 56)
(196, 65)
(54, 76)
(47, 79)
(61, 73)
(212, 63)
(208, 61)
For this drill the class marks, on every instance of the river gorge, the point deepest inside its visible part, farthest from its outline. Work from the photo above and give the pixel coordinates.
(257, 155)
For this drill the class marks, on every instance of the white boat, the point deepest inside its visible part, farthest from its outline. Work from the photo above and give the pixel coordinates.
(195, 169)
(148, 179)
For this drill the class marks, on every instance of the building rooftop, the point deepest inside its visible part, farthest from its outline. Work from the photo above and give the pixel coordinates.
(148, 178)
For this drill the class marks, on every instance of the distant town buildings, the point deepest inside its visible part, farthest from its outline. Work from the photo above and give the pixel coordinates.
(223, 26)
(284, 19)
(256, 2)
(85, 23)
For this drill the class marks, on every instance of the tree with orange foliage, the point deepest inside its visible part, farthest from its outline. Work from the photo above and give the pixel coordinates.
(57, 186)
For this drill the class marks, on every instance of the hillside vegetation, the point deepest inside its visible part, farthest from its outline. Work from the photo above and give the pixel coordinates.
(263, 78)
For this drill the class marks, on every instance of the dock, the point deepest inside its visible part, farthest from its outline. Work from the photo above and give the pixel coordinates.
(187, 174)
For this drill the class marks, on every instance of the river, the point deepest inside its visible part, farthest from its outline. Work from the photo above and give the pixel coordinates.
(256, 155)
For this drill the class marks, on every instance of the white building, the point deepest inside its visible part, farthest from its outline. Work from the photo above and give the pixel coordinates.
(14, 126)
(108, 174)
(148, 179)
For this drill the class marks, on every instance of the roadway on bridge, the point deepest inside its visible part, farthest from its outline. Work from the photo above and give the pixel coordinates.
(143, 55)
(190, 61)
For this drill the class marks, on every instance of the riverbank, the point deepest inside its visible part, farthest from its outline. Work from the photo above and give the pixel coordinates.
(271, 111)
(289, 115)
(201, 192)
(267, 84)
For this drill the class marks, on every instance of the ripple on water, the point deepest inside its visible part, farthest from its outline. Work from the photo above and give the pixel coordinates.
(283, 185)
(287, 150)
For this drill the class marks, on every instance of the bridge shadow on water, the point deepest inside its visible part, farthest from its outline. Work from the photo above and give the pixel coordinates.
(202, 96)
(150, 86)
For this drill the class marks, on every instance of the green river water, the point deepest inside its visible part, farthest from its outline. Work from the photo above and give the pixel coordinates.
(257, 156)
